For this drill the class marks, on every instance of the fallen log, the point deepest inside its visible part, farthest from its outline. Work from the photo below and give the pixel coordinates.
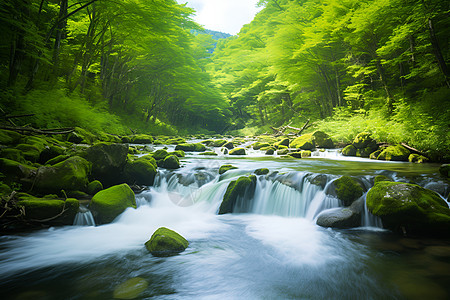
(39, 131)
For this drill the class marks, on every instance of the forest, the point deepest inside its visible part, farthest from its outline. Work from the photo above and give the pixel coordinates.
(146, 66)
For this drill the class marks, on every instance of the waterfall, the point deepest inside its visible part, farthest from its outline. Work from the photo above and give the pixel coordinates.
(84, 217)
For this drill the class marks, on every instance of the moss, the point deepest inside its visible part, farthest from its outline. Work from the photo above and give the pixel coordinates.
(262, 171)
(304, 142)
(348, 189)
(349, 150)
(45, 208)
(225, 168)
(165, 242)
(81, 136)
(267, 148)
(50, 152)
(8, 137)
(228, 145)
(130, 289)
(284, 142)
(218, 143)
(171, 162)
(107, 204)
(296, 154)
(210, 153)
(148, 158)
(160, 154)
(364, 152)
(396, 153)
(322, 140)
(403, 206)
(70, 175)
(364, 140)
(78, 195)
(416, 158)
(5, 190)
(57, 159)
(94, 187)
(141, 171)
(270, 151)
(141, 139)
(30, 152)
(259, 145)
(305, 153)
(237, 151)
(175, 141)
(243, 187)
(381, 178)
(283, 152)
(196, 147)
(445, 170)
(375, 154)
(12, 154)
(15, 170)
(178, 153)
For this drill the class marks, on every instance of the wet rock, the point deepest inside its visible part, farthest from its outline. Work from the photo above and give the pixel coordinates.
(94, 187)
(283, 142)
(130, 289)
(322, 140)
(347, 189)
(259, 145)
(225, 168)
(341, 217)
(141, 139)
(318, 179)
(8, 137)
(379, 178)
(141, 171)
(262, 171)
(237, 151)
(304, 142)
(229, 145)
(445, 170)
(395, 153)
(165, 242)
(349, 150)
(161, 154)
(243, 187)
(196, 147)
(171, 162)
(305, 153)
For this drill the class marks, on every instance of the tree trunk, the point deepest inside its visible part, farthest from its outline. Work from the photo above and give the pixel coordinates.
(437, 52)
(59, 34)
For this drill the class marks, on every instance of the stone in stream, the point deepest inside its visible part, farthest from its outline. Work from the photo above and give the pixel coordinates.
(165, 242)
(395, 153)
(243, 187)
(141, 171)
(304, 142)
(237, 151)
(196, 147)
(225, 168)
(130, 289)
(340, 217)
(347, 189)
(445, 170)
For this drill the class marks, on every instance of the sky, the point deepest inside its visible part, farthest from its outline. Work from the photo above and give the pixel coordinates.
(223, 15)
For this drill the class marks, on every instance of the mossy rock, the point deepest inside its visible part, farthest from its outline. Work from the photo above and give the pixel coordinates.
(364, 140)
(12, 154)
(50, 152)
(165, 242)
(304, 142)
(259, 145)
(318, 179)
(270, 151)
(94, 187)
(133, 150)
(175, 141)
(348, 217)
(262, 171)
(81, 136)
(417, 158)
(141, 171)
(30, 152)
(445, 170)
(225, 168)
(171, 162)
(283, 152)
(218, 143)
(322, 140)
(57, 159)
(396, 153)
(364, 152)
(160, 154)
(243, 187)
(379, 178)
(348, 189)
(107, 204)
(195, 147)
(141, 139)
(78, 195)
(69, 175)
(237, 151)
(210, 153)
(5, 190)
(8, 137)
(130, 289)
(284, 142)
(178, 153)
(228, 145)
(305, 153)
(40, 209)
(375, 154)
(409, 207)
(268, 148)
(14, 170)
(349, 150)
(297, 154)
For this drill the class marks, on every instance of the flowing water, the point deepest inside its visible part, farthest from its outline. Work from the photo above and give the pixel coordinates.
(270, 248)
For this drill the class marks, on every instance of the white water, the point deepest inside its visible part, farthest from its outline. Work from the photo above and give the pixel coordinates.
(84, 217)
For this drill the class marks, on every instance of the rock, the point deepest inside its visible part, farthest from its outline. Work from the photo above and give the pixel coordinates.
(107, 204)
(165, 242)
(225, 168)
(410, 208)
(304, 142)
(283, 142)
(171, 162)
(243, 187)
(41, 209)
(160, 154)
(14, 170)
(416, 158)
(347, 189)
(374, 155)
(349, 150)
(69, 175)
(283, 152)
(178, 153)
(237, 151)
(296, 154)
(364, 140)
(141, 171)
(228, 145)
(322, 140)
(81, 136)
(175, 141)
(445, 170)
(57, 159)
(262, 171)
(5, 190)
(30, 152)
(259, 145)
(131, 288)
(108, 161)
(8, 137)
(270, 151)
(305, 153)
(94, 187)
(318, 179)
(49, 153)
(364, 152)
(12, 154)
(396, 153)
(141, 139)
(210, 153)
(381, 178)
(197, 147)
(342, 217)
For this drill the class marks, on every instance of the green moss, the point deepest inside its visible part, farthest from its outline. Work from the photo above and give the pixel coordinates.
(8, 137)
(30, 152)
(70, 175)
(15, 170)
(348, 189)
(228, 145)
(12, 154)
(322, 140)
(396, 153)
(107, 204)
(130, 289)
(57, 159)
(305, 153)
(270, 151)
(171, 162)
(141, 171)
(45, 208)
(82, 136)
(296, 154)
(445, 170)
(363, 140)
(262, 171)
(243, 187)
(283, 152)
(259, 145)
(175, 141)
(349, 150)
(416, 158)
(409, 206)
(94, 187)
(5, 190)
(364, 152)
(375, 154)
(178, 153)
(225, 168)
(196, 147)
(148, 158)
(304, 142)
(284, 142)
(237, 151)
(381, 178)
(210, 153)
(165, 242)
(160, 154)
(141, 139)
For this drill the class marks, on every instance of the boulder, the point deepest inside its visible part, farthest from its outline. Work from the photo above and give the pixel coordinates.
(175, 141)
(283, 142)
(107, 204)
(14, 170)
(417, 158)
(178, 153)
(396, 153)
(8, 137)
(50, 152)
(69, 175)
(374, 155)
(108, 161)
(225, 168)
(282, 151)
(209, 153)
(81, 136)
(445, 170)
(94, 187)
(322, 140)
(237, 151)
(141, 139)
(171, 162)
(12, 154)
(259, 145)
(348, 217)
(30, 152)
(141, 171)
(305, 153)
(270, 151)
(409, 208)
(262, 171)
(296, 154)
(318, 179)
(49, 210)
(304, 142)
(57, 159)
(196, 147)
(165, 242)
(349, 150)
(347, 189)
(243, 187)
(228, 145)
(160, 154)
(379, 178)
(130, 289)
(364, 140)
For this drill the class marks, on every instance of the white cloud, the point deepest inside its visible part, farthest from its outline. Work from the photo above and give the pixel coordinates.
(223, 15)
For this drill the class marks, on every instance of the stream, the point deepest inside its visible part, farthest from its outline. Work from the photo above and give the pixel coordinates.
(270, 248)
